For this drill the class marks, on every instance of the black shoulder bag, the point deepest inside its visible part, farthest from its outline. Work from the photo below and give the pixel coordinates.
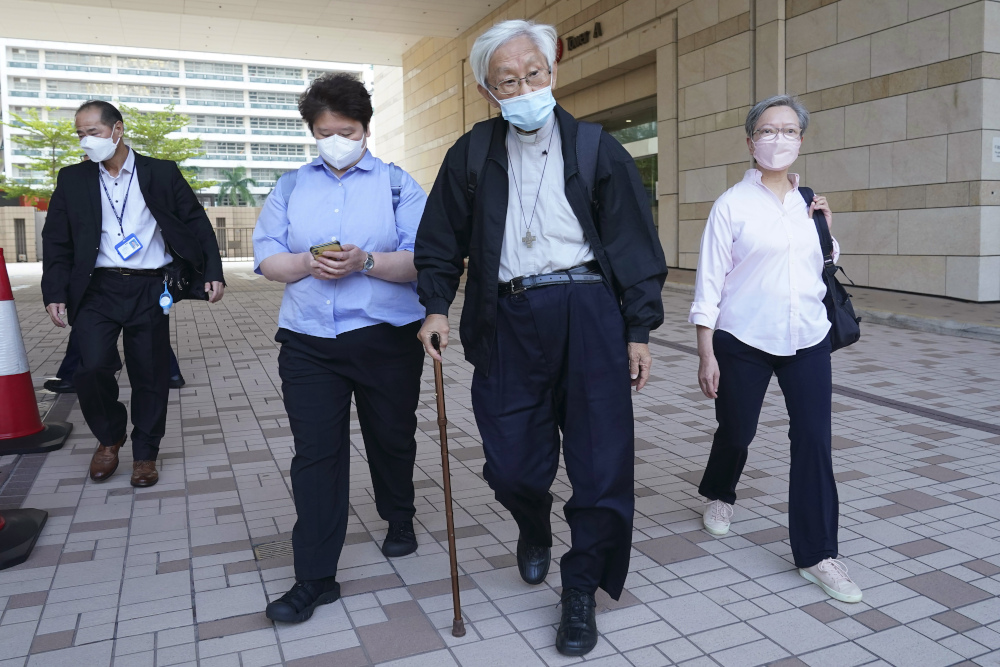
(845, 326)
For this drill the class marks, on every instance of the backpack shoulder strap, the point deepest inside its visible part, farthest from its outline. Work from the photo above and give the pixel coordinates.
(825, 240)
(479, 147)
(588, 140)
(286, 184)
(395, 183)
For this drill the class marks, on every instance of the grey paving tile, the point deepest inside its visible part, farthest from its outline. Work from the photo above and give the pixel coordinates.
(903, 646)
(919, 548)
(670, 549)
(945, 589)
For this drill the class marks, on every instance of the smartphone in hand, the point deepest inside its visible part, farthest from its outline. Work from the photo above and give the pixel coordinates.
(318, 250)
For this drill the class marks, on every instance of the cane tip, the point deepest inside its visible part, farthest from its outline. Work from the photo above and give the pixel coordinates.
(458, 628)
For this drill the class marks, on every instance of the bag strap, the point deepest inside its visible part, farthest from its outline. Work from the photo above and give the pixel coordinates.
(286, 184)
(588, 141)
(395, 183)
(479, 147)
(819, 218)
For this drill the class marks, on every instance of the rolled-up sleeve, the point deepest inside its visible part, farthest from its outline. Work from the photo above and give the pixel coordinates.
(270, 235)
(714, 264)
(412, 200)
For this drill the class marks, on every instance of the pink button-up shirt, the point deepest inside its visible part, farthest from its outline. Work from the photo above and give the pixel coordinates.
(759, 272)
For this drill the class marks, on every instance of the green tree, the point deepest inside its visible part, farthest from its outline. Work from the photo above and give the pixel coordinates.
(51, 145)
(147, 133)
(236, 187)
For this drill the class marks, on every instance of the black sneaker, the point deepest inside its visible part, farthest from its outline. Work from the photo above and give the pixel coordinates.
(533, 562)
(401, 541)
(59, 386)
(176, 381)
(577, 633)
(298, 604)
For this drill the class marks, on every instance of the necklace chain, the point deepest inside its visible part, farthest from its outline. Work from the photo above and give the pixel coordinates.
(541, 180)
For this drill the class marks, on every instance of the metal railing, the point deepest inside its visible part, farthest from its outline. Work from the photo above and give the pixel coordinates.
(235, 243)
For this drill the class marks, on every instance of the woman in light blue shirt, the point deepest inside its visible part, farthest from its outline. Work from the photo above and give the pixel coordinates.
(347, 326)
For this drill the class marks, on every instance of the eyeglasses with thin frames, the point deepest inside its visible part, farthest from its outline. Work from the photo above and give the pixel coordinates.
(535, 79)
(771, 132)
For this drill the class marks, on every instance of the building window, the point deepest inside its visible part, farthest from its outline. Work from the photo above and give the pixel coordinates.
(23, 58)
(18, 149)
(149, 94)
(20, 87)
(214, 97)
(224, 150)
(263, 100)
(220, 223)
(314, 74)
(282, 126)
(77, 62)
(27, 175)
(283, 152)
(266, 178)
(149, 66)
(20, 240)
(77, 90)
(217, 124)
(221, 71)
(270, 74)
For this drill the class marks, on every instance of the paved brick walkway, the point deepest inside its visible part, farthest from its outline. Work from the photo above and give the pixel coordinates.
(171, 576)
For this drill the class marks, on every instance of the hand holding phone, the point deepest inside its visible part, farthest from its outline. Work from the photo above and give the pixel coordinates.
(318, 250)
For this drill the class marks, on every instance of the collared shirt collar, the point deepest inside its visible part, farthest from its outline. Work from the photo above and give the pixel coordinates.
(126, 168)
(541, 136)
(754, 176)
(366, 163)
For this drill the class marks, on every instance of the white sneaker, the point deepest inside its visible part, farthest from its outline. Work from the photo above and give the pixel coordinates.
(831, 575)
(718, 515)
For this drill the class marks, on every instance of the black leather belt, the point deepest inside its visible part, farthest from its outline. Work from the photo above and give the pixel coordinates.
(156, 273)
(585, 273)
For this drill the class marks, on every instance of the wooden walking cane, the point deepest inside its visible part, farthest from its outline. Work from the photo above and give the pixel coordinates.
(458, 625)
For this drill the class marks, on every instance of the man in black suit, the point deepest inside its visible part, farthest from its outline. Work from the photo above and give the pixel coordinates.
(114, 223)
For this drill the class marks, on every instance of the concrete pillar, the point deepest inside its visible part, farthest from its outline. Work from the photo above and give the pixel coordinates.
(769, 48)
(666, 126)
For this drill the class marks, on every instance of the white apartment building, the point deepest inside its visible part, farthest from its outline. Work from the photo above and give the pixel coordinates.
(243, 108)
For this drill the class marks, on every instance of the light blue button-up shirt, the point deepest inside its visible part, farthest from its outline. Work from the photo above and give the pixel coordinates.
(357, 209)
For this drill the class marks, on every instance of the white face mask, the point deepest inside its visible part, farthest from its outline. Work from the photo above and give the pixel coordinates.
(340, 152)
(99, 149)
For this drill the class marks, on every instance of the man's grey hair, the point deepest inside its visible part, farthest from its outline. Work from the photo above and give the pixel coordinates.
(544, 37)
(776, 101)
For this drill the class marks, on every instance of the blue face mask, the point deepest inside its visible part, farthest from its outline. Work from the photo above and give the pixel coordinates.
(528, 112)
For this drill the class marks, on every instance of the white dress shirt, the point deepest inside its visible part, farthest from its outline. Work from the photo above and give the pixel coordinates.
(136, 219)
(558, 241)
(759, 272)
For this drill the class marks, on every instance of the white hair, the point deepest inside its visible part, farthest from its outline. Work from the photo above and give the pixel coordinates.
(544, 37)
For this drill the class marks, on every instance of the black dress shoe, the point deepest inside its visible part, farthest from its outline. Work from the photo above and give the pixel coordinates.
(401, 541)
(533, 562)
(59, 386)
(577, 633)
(298, 604)
(176, 381)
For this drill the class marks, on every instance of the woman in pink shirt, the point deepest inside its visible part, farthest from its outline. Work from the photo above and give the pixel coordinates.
(759, 311)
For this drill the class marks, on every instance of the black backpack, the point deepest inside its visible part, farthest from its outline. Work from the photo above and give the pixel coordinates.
(845, 326)
(588, 139)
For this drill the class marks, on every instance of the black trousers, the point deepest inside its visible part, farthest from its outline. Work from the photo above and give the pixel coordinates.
(807, 383)
(115, 305)
(560, 363)
(71, 360)
(381, 366)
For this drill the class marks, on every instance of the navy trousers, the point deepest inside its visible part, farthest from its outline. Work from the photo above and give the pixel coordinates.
(114, 305)
(67, 369)
(807, 383)
(380, 366)
(560, 363)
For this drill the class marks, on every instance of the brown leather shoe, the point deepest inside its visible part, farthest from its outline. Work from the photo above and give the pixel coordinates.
(105, 461)
(144, 473)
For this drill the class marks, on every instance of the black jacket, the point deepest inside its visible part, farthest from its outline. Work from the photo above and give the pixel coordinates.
(622, 237)
(71, 237)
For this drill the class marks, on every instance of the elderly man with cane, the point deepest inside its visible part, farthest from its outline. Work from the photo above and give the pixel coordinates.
(565, 273)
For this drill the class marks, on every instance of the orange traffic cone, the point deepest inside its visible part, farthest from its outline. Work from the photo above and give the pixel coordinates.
(21, 429)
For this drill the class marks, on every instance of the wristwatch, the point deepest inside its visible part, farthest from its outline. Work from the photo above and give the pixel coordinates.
(369, 264)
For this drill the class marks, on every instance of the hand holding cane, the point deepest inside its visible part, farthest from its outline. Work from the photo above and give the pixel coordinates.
(458, 626)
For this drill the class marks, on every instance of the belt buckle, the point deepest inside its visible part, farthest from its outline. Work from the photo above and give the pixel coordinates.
(517, 285)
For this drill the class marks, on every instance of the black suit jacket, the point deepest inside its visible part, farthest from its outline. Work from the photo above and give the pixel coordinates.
(622, 236)
(71, 237)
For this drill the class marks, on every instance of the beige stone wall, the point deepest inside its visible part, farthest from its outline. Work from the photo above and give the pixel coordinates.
(387, 122)
(7, 240)
(903, 94)
(234, 216)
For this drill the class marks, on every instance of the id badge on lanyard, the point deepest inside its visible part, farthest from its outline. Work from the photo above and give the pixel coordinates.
(129, 246)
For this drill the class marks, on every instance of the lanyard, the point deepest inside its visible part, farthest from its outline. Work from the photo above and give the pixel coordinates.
(128, 188)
